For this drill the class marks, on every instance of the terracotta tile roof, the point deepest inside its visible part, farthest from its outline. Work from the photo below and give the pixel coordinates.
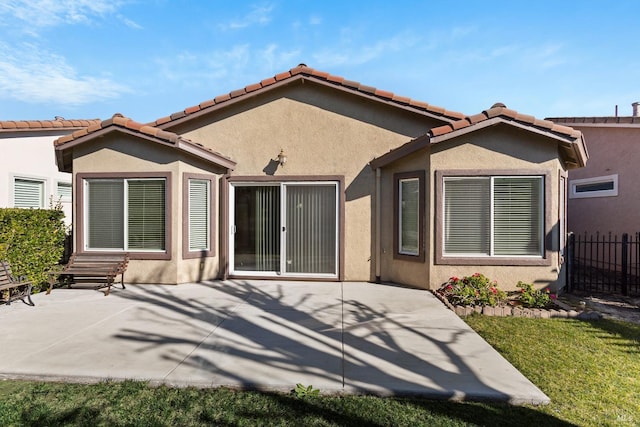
(571, 141)
(605, 120)
(57, 124)
(118, 121)
(500, 111)
(302, 71)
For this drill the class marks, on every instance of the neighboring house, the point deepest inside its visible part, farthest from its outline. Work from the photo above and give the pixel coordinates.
(321, 178)
(603, 197)
(30, 177)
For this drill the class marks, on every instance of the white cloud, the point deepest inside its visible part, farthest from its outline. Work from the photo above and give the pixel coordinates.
(37, 76)
(358, 55)
(49, 13)
(259, 15)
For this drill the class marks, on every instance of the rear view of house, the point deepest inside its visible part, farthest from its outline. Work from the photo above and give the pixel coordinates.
(309, 176)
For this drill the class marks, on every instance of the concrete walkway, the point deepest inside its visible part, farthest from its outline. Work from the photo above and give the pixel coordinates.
(339, 337)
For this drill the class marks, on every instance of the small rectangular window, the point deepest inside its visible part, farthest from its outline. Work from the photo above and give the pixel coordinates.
(64, 191)
(199, 214)
(409, 201)
(602, 186)
(28, 193)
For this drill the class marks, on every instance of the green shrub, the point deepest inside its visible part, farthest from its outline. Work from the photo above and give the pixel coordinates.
(32, 240)
(534, 298)
(473, 290)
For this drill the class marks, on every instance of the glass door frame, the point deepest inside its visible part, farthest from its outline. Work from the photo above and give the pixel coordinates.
(336, 182)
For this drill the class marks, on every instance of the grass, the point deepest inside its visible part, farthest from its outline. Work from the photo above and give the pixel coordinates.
(590, 370)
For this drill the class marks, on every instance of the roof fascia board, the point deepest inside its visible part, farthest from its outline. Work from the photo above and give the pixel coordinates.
(203, 153)
(598, 125)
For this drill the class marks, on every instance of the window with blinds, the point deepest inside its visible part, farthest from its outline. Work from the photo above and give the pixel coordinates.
(409, 216)
(125, 214)
(493, 216)
(64, 191)
(199, 224)
(28, 193)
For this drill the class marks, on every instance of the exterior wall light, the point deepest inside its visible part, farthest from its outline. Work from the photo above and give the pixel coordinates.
(282, 157)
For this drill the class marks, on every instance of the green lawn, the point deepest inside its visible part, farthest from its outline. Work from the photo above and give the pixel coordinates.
(590, 370)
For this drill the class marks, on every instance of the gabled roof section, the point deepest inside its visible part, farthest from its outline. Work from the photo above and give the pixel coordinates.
(57, 124)
(571, 142)
(118, 123)
(303, 72)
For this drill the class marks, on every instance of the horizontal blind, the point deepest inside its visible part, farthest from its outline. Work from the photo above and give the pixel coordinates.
(467, 216)
(64, 190)
(518, 216)
(199, 214)
(146, 214)
(105, 214)
(28, 193)
(409, 216)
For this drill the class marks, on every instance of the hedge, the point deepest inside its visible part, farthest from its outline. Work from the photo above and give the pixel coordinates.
(32, 240)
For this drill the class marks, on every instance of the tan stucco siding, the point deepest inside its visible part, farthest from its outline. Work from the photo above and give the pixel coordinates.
(413, 273)
(506, 150)
(126, 155)
(322, 135)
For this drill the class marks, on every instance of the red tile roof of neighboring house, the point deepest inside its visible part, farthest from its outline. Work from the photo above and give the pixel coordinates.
(299, 72)
(571, 141)
(57, 124)
(127, 125)
(604, 120)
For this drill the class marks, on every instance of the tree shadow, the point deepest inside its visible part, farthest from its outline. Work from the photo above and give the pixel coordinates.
(290, 337)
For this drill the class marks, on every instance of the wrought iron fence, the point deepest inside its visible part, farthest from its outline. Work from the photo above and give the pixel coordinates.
(604, 263)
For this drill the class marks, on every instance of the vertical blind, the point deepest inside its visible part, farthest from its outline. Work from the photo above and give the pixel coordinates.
(311, 229)
(499, 216)
(409, 216)
(28, 193)
(267, 228)
(199, 227)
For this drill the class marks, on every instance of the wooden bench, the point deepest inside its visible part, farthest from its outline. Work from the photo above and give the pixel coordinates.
(100, 269)
(12, 288)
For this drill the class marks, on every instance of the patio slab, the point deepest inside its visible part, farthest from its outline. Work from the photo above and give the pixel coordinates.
(350, 337)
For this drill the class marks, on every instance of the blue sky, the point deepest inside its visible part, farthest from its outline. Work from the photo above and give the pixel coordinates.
(148, 59)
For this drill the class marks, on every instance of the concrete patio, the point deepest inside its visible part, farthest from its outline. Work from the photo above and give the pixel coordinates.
(349, 337)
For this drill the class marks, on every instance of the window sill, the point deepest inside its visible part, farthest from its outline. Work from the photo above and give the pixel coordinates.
(533, 261)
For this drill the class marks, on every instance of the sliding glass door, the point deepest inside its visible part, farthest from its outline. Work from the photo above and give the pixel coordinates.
(284, 229)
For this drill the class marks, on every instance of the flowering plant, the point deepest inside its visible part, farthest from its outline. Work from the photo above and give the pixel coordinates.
(535, 298)
(473, 290)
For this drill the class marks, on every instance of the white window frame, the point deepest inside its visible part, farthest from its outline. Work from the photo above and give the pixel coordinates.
(125, 226)
(575, 183)
(43, 188)
(491, 253)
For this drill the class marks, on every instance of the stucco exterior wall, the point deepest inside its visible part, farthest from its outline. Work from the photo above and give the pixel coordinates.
(119, 154)
(323, 132)
(501, 149)
(413, 273)
(31, 155)
(612, 150)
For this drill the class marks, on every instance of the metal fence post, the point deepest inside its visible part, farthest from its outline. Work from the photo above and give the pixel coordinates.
(571, 241)
(625, 263)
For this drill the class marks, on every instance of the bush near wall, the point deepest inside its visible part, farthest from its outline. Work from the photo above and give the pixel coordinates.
(32, 240)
